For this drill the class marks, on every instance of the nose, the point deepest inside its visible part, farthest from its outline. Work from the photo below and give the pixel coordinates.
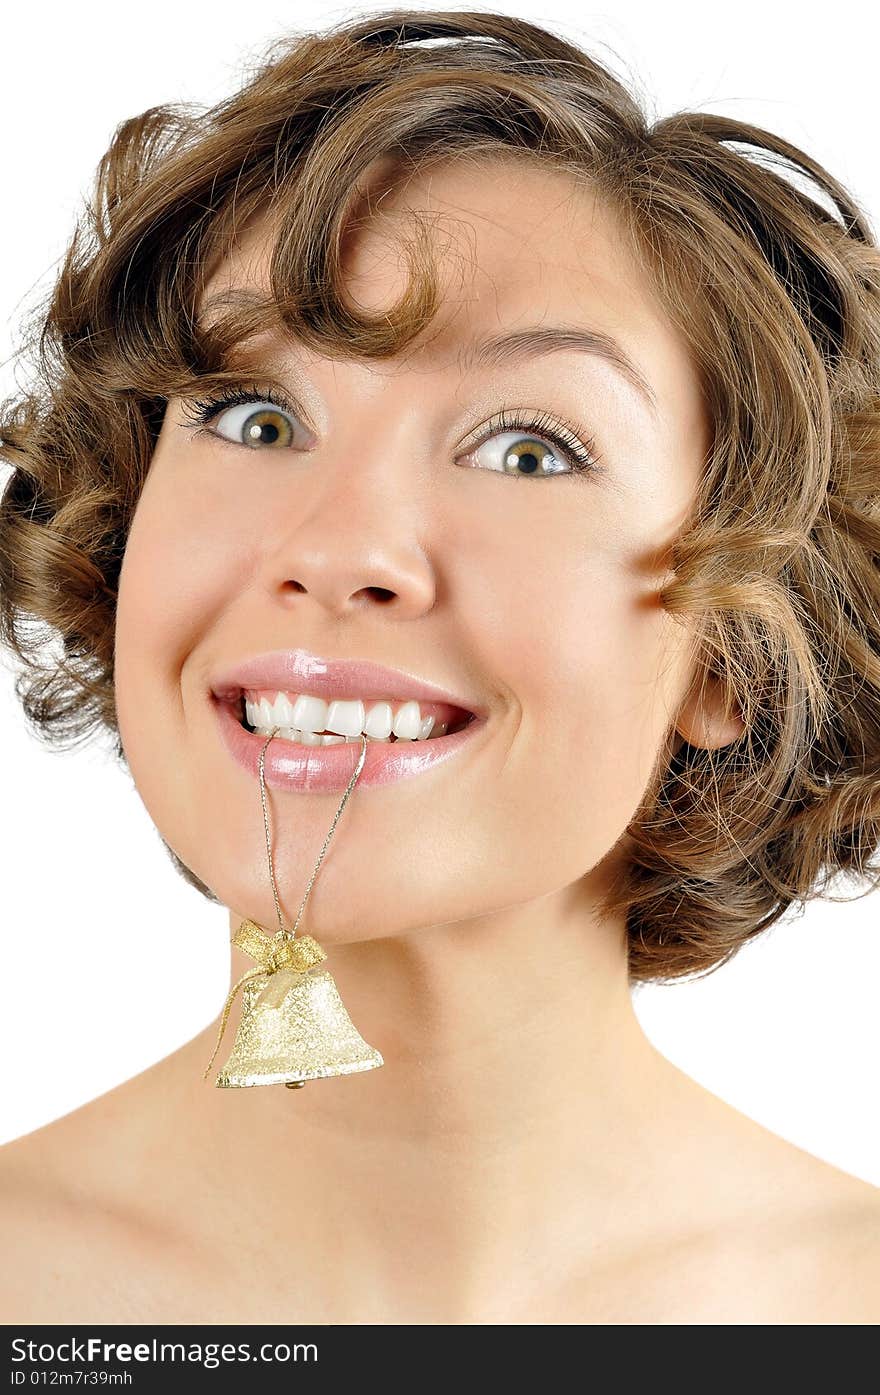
(351, 542)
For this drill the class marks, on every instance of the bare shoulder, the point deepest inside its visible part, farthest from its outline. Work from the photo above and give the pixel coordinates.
(821, 1228)
(838, 1250)
(753, 1228)
(79, 1251)
(811, 1261)
(817, 1262)
(808, 1248)
(39, 1228)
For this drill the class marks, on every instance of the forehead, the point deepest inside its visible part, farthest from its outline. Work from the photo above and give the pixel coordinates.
(515, 245)
(503, 232)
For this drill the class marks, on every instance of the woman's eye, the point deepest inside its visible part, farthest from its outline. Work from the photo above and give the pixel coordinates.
(512, 443)
(255, 424)
(518, 453)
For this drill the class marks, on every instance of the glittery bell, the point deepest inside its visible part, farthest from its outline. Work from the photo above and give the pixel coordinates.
(294, 1026)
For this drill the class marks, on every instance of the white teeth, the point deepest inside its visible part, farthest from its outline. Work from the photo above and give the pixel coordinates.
(347, 718)
(313, 738)
(341, 719)
(407, 722)
(304, 738)
(309, 713)
(284, 712)
(378, 721)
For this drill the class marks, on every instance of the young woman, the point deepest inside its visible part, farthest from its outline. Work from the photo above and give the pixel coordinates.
(436, 357)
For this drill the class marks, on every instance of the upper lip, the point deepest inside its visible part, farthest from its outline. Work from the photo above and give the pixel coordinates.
(298, 671)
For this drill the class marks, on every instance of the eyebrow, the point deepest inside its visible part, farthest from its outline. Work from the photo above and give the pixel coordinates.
(512, 346)
(519, 344)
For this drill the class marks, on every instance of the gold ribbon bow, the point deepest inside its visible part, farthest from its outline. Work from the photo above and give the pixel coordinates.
(281, 959)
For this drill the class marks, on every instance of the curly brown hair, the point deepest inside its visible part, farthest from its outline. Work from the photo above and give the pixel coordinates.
(777, 296)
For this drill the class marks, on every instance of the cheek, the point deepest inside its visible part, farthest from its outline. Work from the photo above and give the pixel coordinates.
(595, 664)
(186, 555)
(181, 566)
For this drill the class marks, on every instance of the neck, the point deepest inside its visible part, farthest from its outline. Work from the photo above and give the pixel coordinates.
(517, 1085)
(491, 1028)
(487, 1028)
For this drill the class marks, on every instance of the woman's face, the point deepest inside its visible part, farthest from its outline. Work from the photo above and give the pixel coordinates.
(531, 592)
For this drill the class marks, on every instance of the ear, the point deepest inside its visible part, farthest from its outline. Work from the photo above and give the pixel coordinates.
(701, 720)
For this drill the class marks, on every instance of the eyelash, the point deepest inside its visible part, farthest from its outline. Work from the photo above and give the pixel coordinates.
(580, 454)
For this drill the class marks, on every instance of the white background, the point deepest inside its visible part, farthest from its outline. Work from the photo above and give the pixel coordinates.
(110, 960)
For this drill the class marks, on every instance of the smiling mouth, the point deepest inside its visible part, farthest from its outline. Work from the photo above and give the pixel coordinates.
(309, 738)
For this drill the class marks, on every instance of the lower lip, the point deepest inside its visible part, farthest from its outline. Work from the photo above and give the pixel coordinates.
(293, 767)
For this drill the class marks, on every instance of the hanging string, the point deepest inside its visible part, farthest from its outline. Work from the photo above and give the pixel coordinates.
(359, 767)
(266, 827)
(255, 973)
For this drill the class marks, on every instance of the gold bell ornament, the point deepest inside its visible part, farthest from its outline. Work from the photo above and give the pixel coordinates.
(294, 1026)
